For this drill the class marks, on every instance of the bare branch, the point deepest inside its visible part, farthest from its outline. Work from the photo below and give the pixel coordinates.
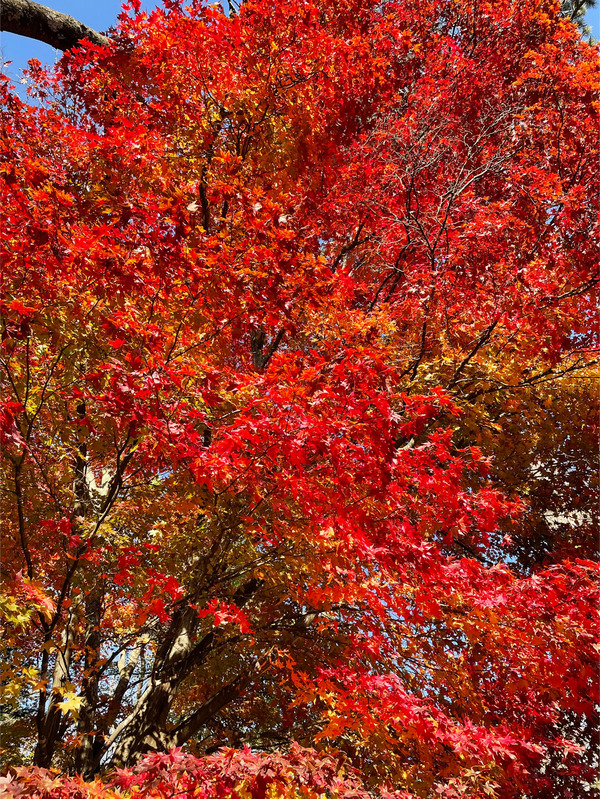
(35, 21)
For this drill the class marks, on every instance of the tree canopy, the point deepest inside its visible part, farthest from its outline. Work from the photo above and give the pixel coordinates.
(299, 423)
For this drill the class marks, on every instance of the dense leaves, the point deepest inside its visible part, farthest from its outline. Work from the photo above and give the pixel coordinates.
(231, 773)
(298, 431)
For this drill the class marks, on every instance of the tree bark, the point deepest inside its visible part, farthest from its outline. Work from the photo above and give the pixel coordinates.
(26, 18)
(50, 726)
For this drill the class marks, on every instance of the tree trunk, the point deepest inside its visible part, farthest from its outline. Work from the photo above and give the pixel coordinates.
(48, 734)
(87, 749)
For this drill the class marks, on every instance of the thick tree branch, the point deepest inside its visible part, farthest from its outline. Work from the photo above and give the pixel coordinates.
(35, 21)
(193, 723)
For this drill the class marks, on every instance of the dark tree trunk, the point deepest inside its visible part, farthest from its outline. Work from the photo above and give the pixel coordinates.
(35, 21)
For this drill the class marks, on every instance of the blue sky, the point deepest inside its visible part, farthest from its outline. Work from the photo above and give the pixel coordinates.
(100, 15)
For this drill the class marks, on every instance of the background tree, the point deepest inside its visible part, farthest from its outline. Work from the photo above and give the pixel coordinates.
(576, 10)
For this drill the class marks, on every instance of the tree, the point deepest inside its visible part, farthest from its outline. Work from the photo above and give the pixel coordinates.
(298, 334)
(576, 10)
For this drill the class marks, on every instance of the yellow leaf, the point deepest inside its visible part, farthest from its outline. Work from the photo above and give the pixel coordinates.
(71, 704)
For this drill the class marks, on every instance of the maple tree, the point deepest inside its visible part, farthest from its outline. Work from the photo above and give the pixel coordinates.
(36, 21)
(299, 412)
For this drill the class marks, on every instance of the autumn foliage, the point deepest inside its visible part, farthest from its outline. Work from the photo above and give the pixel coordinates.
(299, 418)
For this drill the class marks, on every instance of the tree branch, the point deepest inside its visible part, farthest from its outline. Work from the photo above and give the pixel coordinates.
(26, 18)
(205, 712)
